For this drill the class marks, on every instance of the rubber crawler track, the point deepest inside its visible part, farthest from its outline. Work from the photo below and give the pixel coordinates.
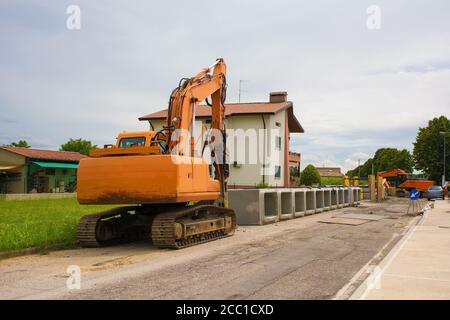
(163, 234)
(87, 227)
(162, 228)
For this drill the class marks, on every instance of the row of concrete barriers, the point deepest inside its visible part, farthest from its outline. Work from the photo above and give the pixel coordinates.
(261, 206)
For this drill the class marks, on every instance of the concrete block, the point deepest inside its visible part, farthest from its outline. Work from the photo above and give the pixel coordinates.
(366, 195)
(299, 202)
(254, 206)
(334, 198)
(247, 206)
(340, 198)
(271, 206)
(262, 206)
(355, 195)
(326, 199)
(347, 197)
(287, 204)
(310, 201)
(320, 203)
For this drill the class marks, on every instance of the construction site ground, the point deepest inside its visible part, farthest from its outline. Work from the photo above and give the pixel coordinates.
(301, 258)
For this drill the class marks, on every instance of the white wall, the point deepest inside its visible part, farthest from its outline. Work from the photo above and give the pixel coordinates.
(247, 173)
(280, 118)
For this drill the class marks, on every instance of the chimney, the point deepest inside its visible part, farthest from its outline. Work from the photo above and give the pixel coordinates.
(280, 96)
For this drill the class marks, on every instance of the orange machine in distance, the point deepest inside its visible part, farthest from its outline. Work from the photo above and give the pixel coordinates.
(402, 179)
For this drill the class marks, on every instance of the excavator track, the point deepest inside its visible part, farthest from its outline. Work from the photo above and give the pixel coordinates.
(166, 234)
(86, 231)
(178, 228)
(112, 226)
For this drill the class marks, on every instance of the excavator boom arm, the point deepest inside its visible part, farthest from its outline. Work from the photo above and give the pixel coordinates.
(189, 94)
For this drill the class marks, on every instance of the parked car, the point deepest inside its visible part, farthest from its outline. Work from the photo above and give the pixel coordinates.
(435, 192)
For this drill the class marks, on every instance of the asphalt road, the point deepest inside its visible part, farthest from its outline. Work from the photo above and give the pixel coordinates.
(294, 259)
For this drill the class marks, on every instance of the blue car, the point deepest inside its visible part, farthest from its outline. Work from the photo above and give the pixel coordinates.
(435, 192)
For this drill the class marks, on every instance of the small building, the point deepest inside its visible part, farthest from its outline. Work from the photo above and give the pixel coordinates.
(276, 116)
(329, 171)
(26, 170)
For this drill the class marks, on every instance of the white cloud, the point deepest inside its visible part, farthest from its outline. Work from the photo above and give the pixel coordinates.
(359, 155)
(354, 90)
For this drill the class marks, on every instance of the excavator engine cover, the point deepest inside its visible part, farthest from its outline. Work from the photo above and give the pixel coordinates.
(145, 179)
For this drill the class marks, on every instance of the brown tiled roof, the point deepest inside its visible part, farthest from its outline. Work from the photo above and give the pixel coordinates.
(329, 171)
(46, 154)
(230, 109)
(240, 109)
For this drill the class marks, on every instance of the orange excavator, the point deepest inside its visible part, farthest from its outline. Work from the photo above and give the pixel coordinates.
(401, 179)
(173, 196)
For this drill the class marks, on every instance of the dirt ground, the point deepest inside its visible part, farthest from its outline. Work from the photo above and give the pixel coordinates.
(294, 259)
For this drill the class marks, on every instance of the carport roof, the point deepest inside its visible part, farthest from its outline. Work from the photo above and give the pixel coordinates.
(56, 165)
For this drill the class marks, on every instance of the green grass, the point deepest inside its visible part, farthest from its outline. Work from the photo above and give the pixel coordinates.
(41, 222)
(331, 180)
(337, 181)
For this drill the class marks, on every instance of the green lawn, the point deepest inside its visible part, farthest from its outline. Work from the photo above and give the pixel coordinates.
(332, 180)
(41, 222)
(337, 181)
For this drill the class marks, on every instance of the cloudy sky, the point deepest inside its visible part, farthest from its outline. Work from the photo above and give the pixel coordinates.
(354, 89)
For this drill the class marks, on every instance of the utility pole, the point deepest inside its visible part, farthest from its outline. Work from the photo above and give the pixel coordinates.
(444, 133)
(443, 182)
(359, 168)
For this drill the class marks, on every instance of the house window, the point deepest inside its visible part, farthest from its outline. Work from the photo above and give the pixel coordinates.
(277, 172)
(278, 142)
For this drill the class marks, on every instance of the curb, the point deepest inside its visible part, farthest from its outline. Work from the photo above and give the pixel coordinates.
(33, 250)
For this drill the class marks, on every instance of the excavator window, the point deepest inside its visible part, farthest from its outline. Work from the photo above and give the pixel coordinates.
(132, 142)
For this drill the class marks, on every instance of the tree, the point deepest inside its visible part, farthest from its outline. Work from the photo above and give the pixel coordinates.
(385, 159)
(309, 175)
(363, 170)
(391, 158)
(78, 145)
(429, 149)
(20, 143)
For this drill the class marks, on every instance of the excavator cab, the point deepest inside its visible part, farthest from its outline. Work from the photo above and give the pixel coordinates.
(400, 179)
(132, 142)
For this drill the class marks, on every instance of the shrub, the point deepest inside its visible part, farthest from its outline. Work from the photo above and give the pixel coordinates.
(310, 176)
(262, 185)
